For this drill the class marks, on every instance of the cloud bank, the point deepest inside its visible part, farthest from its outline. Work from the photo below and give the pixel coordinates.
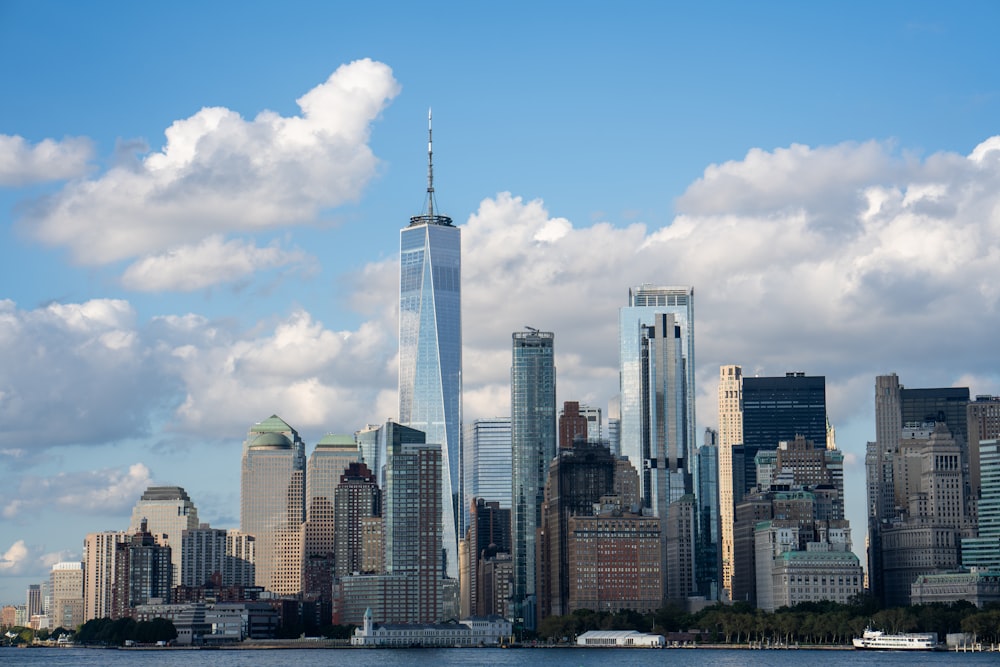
(216, 174)
(846, 261)
(49, 160)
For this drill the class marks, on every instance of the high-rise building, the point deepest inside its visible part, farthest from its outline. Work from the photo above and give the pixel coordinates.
(241, 558)
(904, 540)
(579, 476)
(357, 497)
(777, 409)
(730, 435)
(412, 522)
(430, 346)
(533, 444)
(572, 425)
(486, 466)
(272, 503)
(645, 303)
(203, 556)
(168, 512)
(709, 554)
(983, 417)
(488, 536)
(33, 602)
(66, 584)
(324, 470)
(99, 572)
(983, 551)
(143, 573)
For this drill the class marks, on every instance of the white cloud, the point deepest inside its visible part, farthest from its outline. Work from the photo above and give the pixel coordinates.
(49, 160)
(22, 559)
(219, 173)
(210, 262)
(108, 491)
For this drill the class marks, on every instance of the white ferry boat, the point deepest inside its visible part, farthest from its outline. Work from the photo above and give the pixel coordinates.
(876, 640)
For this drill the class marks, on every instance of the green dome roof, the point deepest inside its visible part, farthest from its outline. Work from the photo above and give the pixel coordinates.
(271, 440)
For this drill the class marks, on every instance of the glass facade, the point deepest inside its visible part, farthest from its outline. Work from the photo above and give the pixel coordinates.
(486, 469)
(645, 303)
(430, 352)
(533, 443)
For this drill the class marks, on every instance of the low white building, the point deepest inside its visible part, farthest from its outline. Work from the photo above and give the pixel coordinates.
(620, 639)
(490, 631)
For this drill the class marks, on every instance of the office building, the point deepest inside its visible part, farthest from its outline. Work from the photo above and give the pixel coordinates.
(168, 512)
(488, 535)
(708, 560)
(572, 425)
(486, 466)
(905, 538)
(983, 423)
(412, 523)
(777, 409)
(272, 503)
(533, 444)
(579, 476)
(356, 498)
(66, 584)
(324, 470)
(430, 346)
(645, 302)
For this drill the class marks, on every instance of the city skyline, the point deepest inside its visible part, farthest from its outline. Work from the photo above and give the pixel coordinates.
(833, 219)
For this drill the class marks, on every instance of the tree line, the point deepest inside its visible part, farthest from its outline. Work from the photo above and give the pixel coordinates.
(811, 623)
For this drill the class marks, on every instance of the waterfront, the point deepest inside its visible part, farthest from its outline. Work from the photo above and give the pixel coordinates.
(568, 657)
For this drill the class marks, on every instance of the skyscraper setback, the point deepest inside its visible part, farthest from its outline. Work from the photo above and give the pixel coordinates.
(430, 345)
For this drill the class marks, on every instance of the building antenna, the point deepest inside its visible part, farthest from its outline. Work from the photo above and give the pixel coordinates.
(430, 165)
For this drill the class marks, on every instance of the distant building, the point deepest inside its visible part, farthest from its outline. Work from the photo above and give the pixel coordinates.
(572, 425)
(168, 512)
(978, 587)
(488, 535)
(486, 464)
(272, 503)
(614, 562)
(324, 469)
(730, 435)
(620, 639)
(99, 572)
(143, 573)
(356, 498)
(533, 444)
(66, 584)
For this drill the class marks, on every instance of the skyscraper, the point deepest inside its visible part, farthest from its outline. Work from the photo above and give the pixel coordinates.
(356, 497)
(730, 434)
(66, 583)
(430, 345)
(777, 409)
(485, 464)
(272, 503)
(708, 558)
(143, 573)
(324, 469)
(644, 303)
(168, 511)
(533, 441)
(99, 572)
(895, 540)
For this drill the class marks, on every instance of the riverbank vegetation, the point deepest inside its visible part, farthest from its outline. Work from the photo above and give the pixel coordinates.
(810, 623)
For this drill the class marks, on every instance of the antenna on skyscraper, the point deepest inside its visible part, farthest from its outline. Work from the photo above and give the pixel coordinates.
(430, 165)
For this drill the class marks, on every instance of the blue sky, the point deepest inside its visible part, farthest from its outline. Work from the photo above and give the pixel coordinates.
(200, 206)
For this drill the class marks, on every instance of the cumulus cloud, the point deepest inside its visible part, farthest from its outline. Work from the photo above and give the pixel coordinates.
(23, 164)
(210, 262)
(904, 281)
(107, 491)
(22, 559)
(219, 173)
(75, 373)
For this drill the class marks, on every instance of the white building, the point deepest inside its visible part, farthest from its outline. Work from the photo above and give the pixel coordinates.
(620, 639)
(490, 631)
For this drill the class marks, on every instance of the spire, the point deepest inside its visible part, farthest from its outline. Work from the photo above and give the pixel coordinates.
(430, 165)
(430, 217)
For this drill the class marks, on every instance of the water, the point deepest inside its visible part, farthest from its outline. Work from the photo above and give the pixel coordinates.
(487, 657)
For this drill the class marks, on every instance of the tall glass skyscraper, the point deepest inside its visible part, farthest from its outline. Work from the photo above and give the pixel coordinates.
(533, 441)
(430, 346)
(644, 408)
(486, 464)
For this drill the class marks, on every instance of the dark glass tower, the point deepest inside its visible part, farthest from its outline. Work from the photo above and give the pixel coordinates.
(777, 409)
(533, 444)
